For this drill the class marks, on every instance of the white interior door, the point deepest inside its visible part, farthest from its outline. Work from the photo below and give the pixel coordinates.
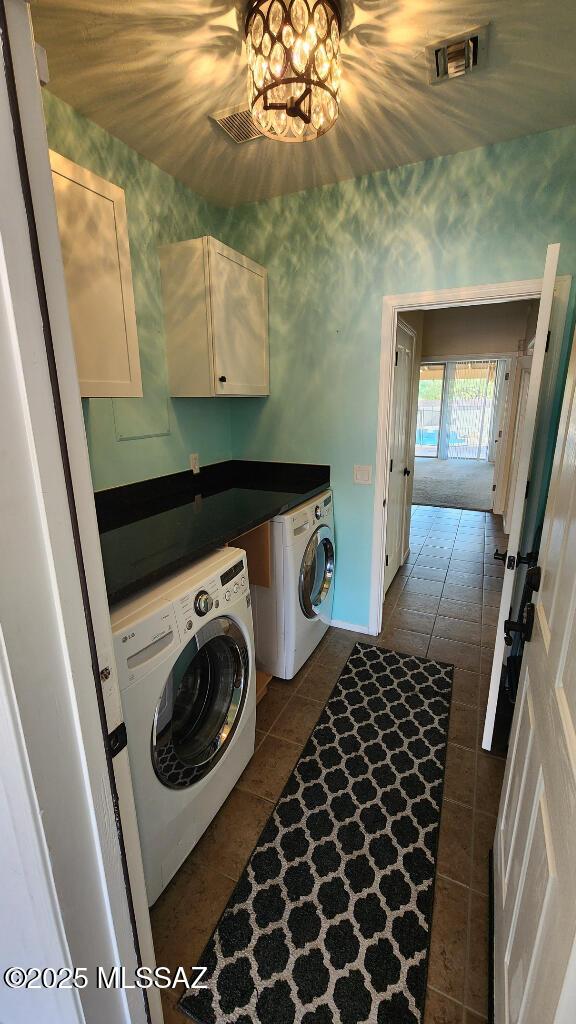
(498, 411)
(399, 441)
(519, 494)
(534, 863)
(504, 432)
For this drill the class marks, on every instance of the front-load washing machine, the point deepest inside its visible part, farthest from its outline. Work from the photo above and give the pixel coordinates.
(186, 666)
(292, 615)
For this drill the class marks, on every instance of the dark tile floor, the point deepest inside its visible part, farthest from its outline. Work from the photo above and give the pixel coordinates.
(443, 603)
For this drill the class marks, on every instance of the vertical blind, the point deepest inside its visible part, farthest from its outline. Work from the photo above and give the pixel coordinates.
(456, 405)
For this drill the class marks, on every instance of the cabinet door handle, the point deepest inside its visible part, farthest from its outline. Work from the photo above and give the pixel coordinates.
(222, 380)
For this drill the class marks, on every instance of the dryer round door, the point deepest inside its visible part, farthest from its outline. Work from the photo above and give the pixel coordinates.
(316, 572)
(201, 704)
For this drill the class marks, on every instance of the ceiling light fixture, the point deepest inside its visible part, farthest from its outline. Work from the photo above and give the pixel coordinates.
(294, 66)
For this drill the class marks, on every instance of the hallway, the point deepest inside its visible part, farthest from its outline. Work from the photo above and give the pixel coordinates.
(444, 604)
(465, 483)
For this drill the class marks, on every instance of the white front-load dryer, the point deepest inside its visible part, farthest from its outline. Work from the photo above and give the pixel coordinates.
(292, 615)
(186, 665)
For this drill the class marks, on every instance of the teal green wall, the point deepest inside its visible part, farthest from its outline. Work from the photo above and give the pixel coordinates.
(332, 253)
(133, 438)
(482, 216)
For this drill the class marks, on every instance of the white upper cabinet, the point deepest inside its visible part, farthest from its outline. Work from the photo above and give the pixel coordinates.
(94, 237)
(216, 316)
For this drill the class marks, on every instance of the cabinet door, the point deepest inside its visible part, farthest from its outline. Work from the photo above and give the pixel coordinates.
(239, 297)
(94, 238)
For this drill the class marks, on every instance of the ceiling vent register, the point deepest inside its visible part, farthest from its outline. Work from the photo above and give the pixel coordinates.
(238, 123)
(458, 55)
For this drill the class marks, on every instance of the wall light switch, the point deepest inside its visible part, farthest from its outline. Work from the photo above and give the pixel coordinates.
(195, 462)
(362, 474)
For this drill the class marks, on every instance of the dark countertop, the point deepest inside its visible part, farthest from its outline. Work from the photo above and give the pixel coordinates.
(153, 528)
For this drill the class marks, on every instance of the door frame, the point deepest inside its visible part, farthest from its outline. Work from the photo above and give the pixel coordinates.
(408, 482)
(93, 692)
(392, 307)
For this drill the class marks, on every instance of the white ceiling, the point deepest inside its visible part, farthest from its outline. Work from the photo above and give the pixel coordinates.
(150, 71)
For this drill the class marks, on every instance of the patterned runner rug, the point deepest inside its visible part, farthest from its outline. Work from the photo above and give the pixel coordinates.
(330, 920)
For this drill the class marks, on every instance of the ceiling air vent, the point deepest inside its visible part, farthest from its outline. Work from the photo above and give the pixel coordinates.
(458, 55)
(238, 123)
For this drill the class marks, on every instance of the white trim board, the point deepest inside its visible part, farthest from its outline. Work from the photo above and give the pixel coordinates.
(392, 306)
(484, 357)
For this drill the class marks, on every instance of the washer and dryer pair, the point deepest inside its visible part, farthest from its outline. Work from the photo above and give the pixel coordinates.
(186, 665)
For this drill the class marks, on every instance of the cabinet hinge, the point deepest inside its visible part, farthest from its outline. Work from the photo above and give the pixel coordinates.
(391, 464)
(396, 361)
(386, 559)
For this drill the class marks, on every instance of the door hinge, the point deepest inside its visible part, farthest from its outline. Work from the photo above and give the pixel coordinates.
(386, 559)
(384, 503)
(527, 489)
(396, 363)
(391, 464)
(117, 739)
(547, 342)
(523, 626)
(493, 487)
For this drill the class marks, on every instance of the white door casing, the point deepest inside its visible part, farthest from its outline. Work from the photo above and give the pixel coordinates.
(522, 468)
(399, 451)
(534, 861)
(392, 307)
(82, 692)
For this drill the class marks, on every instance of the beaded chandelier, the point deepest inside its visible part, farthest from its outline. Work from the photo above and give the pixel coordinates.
(294, 66)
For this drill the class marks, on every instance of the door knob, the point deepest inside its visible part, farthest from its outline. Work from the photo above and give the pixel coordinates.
(222, 380)
(406, 471)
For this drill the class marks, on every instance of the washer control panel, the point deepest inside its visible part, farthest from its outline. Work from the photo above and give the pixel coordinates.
(213, 597)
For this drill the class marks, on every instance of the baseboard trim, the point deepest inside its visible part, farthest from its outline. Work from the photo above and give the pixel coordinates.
(491, 937)
(352, 626)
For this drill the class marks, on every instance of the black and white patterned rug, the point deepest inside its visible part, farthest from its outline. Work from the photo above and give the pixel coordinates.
(330, 920)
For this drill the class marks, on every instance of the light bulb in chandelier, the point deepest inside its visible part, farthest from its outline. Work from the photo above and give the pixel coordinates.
(294, 66)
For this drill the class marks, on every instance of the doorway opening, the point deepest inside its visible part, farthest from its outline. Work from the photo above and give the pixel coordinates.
(459, 404)
(486, 324)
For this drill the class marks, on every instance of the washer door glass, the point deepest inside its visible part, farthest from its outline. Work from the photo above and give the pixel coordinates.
(201, 704)
(316, 572)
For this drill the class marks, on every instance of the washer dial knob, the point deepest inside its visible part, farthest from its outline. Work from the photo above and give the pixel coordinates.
(203, 603)
(318, 512)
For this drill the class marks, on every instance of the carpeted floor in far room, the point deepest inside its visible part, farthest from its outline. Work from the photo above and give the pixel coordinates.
(427, 607)
(456, 483)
